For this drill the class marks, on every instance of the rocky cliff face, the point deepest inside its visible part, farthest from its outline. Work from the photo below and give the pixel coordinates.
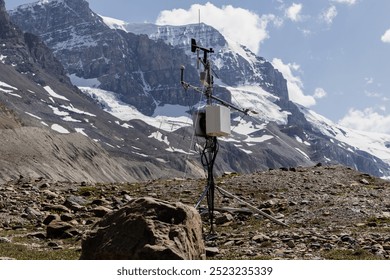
(235, 64)
(143, 72)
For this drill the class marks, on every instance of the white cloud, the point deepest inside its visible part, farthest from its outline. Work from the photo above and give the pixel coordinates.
(386, 37)
(329, 15)
(237, 24)
(294, 83)
(366, 120)
(294, 12)
(319, 93)
(348, 2)
(373, 94)
(305, 32)
(369, 80)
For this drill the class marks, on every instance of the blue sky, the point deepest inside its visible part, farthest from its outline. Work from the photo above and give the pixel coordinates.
(334, 53)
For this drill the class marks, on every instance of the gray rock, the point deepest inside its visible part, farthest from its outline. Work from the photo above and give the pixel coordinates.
(291, 244)
(224, 218)
(315, 245)
(49, 194)
(66, 217)
(386, 247)
(364, 181)
(261, 238)
(39, 235)
(59, 229)
(56, 207)
(50, 218)
(33, 213)
(147, 228)
(212, 251)
(100, 211)
(4, 240)
(75, 203)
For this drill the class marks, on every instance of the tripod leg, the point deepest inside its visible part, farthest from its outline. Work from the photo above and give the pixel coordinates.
(210, 201)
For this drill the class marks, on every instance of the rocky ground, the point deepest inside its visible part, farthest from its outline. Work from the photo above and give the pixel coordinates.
(332, 212)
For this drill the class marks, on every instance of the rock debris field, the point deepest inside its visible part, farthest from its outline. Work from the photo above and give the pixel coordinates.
(332, 212)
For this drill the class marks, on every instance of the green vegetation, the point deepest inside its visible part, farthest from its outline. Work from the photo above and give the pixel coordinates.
(358, 254)
(88, 191)
(23, 252)
(379, 220)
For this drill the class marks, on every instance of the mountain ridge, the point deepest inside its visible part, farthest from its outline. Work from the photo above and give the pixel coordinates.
(39, 103)
(281, 135)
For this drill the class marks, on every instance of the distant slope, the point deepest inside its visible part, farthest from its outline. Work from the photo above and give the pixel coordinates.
(37, 152)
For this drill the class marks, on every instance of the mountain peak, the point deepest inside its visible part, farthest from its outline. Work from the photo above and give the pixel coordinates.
(7, 29)
(180, 36)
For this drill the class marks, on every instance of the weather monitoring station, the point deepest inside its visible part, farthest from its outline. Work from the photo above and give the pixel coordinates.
(212, 121)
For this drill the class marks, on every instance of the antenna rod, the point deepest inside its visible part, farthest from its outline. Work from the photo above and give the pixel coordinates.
(227, 104)
(182, 74)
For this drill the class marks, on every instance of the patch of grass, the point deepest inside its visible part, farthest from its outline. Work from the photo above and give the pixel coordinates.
(88, 191)
(370, 187)
(133, 187)
(237, 256)
(21, 252)
(379, 220)
(359, 254)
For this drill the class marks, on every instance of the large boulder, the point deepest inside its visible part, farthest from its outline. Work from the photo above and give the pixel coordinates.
(147, 229)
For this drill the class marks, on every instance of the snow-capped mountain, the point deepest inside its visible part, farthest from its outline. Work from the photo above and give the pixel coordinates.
(132, 71)
(49, 128)
(255, 72)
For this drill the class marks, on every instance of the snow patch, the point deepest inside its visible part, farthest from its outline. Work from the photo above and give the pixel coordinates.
(299, 139)
(126, 112)
(8, 89)
(246, 151)
(142, 155)
(81, 131)
(77, 111)
(261, 101)
(174, 150)
(34, 116)
(158, 136)
(114, 23)
(60, 129)
(259, 139)
(52, 93)
(70, 119)
(2, 58)
(5, 85)
(303, 153)
(58, 112)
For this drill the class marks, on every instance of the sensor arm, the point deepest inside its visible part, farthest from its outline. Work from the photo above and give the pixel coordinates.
(186, 86)
(229, 105)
